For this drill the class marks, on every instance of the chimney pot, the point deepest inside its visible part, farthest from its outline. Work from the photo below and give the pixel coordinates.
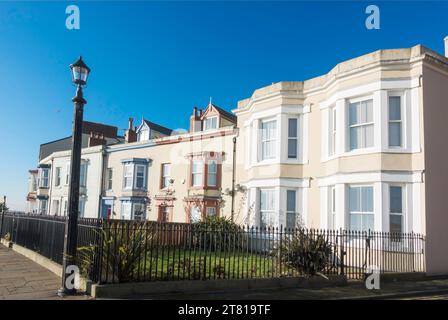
(131, 120)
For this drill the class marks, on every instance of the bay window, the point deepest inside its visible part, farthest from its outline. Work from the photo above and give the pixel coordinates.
(361, 124)
(268, 139)
(395, 121)
(43, 203)
(361, 214)
(133, 209)
(135, 174)
(211, 211)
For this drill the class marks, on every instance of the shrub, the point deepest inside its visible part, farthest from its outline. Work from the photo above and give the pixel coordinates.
(217, 233)
(307, 253)
(121, 247)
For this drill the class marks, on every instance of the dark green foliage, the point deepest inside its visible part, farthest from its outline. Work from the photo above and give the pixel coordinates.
(308, 253)
(217, 233)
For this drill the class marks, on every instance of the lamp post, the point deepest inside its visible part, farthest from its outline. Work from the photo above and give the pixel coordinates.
(80, 72)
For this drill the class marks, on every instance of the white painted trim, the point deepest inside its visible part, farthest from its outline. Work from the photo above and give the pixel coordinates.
(279, 182)
(371, 177)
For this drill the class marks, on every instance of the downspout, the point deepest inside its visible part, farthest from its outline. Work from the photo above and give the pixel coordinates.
(50, 183)
(233, 179)
(101, 184)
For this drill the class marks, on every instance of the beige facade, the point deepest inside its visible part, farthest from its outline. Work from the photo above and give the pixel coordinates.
(169, 194)
(361, 147)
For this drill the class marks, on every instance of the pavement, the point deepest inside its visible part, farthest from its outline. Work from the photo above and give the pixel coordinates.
(427, 289)
(23, 279)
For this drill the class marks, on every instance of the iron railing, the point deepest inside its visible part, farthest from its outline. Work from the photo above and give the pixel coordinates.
(111, 251)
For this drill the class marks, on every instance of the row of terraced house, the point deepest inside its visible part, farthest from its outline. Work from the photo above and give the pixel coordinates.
(361, 147)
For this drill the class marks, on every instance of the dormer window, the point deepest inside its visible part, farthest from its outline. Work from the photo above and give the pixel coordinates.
(143, 134)
(210, 123)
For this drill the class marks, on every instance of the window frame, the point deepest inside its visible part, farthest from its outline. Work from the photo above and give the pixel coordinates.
(296, 138)
(331, 214)
(362, 125)
(109, 178)
(136, 176)
(362, 213)
(400, 122)
(83, 174)
(269, 211)
(44, 176)
(164, 182)
(199, 173)
(208, 120)
(332, 129)
(402, 214)
(209, 173)
(57, 176)
(289, 212)
(263, 142)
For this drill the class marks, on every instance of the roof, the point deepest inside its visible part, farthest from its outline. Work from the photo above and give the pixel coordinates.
(225, 113)
(157, 127)
(106, 130)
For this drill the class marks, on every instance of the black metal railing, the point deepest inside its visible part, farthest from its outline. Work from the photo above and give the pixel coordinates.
(112, 251)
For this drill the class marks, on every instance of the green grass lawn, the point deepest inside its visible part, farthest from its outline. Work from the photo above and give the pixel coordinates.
(177, 263)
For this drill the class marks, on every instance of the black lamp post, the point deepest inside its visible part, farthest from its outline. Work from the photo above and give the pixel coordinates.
(80, 72)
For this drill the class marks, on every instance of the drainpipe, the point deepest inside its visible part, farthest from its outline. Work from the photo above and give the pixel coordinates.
(233, 179)
(50, 187)
(101, 184)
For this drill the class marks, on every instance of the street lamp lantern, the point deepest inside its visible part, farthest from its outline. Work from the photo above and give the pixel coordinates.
(80, 72)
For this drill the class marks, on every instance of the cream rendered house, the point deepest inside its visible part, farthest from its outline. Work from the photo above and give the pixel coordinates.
(361, 148)
(180, 177)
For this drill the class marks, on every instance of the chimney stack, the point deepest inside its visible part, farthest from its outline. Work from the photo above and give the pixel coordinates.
(131, 134)
(446, 46)
(96, 139)
(195, 120)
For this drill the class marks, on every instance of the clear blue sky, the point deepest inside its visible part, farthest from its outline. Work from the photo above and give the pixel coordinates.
(161, 59)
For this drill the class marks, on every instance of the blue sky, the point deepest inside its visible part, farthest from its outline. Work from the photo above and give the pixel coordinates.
(161, 59)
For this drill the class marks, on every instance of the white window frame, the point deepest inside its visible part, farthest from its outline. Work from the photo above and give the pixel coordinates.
(271, 140)
(332, 127)
(212, 174)
(109, 178)
(296, 138)
(268, 211)
(362, 213)
(211, 123)
(67, 173)
(142, 216)
(82, 206)
(198, 210)
(331, 207)
(166, 175)
(45, 209)
(289, 212)
(136, 169)
(403, 206)
(198, 172)
(401, 122)
(83, 174)
(126, 205)
(362, 125)
(210, 211)
(128, 176)
(57, 176)
(44, 180)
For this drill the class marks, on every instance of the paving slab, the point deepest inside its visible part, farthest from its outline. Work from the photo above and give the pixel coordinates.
(23, 279)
